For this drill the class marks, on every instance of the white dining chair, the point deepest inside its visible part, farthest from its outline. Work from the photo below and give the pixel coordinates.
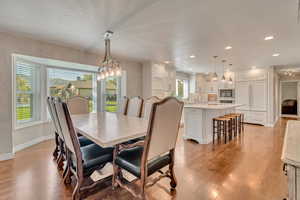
(144, 158)
(78, 105)
(134, 107)
(147, 106)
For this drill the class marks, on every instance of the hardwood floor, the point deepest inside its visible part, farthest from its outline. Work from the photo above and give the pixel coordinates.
(248, 168)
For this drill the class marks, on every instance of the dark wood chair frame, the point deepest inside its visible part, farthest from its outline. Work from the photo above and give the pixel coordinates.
(117, 177)
(126, 99)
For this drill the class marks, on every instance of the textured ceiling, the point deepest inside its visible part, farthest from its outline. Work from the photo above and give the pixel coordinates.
(165, 29)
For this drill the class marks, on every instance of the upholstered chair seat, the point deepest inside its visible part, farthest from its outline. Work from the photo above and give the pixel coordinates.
(83, 141)
(130, 160)
(94, 157)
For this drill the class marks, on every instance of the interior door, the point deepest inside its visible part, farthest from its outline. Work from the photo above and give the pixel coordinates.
(258, 95)
(243, 94)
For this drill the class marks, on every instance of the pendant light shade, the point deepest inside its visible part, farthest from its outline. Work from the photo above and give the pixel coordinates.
(230, 81)
(215, 75)
(109, 67)
(223, 77)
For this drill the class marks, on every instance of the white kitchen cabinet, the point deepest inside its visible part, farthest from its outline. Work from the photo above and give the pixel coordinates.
(258, 96)
(243, 94)
(253, 95)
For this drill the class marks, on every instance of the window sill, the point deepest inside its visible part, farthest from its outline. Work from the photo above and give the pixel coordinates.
(30, 124)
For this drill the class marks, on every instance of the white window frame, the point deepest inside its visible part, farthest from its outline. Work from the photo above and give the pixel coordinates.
(186, 86)
(38, 91)
(43, 86)
(94, 82)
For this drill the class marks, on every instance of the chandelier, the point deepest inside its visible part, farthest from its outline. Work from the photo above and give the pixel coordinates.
(109, 67)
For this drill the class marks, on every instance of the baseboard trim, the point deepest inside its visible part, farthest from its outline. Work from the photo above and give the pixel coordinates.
(6, 156)
(25, 145)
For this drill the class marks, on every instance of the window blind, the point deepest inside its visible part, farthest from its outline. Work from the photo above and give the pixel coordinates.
(25, 75)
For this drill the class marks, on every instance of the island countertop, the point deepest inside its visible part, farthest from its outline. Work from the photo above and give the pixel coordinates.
(212, 106)
(291, 150)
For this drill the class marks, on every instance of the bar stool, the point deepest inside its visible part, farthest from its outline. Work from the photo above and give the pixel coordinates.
(221, 125)
(234, 123)
(239, 121)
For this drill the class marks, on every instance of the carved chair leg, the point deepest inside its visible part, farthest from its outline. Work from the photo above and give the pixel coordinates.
(142, 188)
(56, 150)
(67, 177)
(173, 182)
(116, 169)
(76, 192)
(60, 162)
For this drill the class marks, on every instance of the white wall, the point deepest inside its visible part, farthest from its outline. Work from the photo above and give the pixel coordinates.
(15, 44)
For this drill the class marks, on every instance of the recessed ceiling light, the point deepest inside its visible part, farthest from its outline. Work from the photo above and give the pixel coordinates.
(192, 56)
(228, 47)
(276, 54)
(167, 62)
(271, 37)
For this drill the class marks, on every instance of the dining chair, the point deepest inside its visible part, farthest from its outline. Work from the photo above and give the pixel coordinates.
(78, 105)
(147, 105)
(124, 105)
(134, 108)
(82, 161)
(83, 141)
(59, 150)
(147, 157)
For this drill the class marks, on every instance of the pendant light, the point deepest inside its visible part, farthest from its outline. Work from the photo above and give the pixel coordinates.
(215, 75)
(109, 67)
(230, 79)
(223, 77)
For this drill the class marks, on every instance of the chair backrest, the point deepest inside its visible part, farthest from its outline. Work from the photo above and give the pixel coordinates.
(147, 106)
(163, 127)
(67, 128)
(134, 107)
(124, 104)
(78, 105)
(53, 115)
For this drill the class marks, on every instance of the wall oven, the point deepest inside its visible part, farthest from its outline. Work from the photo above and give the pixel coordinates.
(226, 95)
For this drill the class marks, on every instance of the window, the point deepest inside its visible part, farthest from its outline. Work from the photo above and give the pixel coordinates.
(111, 94)
(182, 88)
(68, 83)
(27, 92)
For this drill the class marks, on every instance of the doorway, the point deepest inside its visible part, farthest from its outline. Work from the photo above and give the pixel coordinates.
(289, 98)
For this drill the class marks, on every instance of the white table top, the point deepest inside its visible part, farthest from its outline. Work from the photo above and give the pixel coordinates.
(216, 106)
(108, 129)
(291, 147)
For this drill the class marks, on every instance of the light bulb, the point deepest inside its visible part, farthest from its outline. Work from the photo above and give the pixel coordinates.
(118, 72)
(99, 77)
(112, 73)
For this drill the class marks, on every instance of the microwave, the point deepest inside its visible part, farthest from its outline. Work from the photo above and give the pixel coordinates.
(226, 93)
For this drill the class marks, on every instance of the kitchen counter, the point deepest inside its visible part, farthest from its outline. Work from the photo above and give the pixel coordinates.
(291, 149)
(198, 120)
(212, 106)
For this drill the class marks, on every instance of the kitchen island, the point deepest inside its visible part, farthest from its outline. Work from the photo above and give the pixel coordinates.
(198, 120)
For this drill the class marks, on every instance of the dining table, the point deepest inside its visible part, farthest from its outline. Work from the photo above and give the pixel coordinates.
(109, 129)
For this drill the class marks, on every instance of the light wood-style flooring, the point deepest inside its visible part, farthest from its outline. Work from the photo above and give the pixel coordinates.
(248, 168)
